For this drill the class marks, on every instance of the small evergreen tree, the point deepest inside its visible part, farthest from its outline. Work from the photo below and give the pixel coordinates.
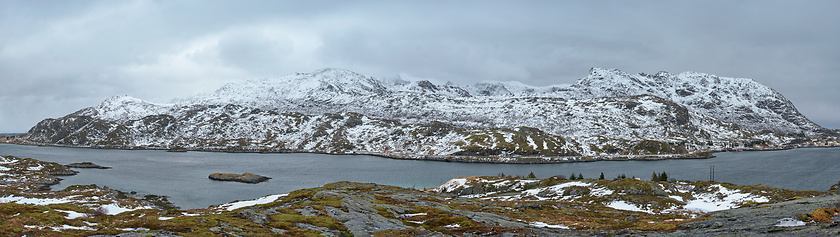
(602, 176)
(580, 176)
(623, 176)
(654, 177)
(532, 176)
(663, 176)
(502, 174)
(572, 177)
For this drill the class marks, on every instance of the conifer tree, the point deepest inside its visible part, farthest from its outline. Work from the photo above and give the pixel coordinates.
(572, 177)
(580, 176)
(663, 176)
(602, 176)
(532, 176)
(654, 177)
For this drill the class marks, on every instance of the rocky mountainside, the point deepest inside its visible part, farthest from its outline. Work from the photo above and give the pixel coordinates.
(339, 111)
(742, 101)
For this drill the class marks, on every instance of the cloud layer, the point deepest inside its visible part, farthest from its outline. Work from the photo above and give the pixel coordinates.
(58, 57)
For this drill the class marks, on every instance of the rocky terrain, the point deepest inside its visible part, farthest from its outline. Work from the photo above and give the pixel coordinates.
(776, 219)
(608, 114)
(486, 206)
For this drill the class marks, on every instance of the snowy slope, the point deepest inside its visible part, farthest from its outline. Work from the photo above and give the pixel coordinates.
(742, 101)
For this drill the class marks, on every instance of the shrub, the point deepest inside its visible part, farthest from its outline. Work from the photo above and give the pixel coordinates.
(823, 215)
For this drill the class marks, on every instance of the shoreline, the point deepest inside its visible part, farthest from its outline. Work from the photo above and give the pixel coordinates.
(705, 154)
(448, 158)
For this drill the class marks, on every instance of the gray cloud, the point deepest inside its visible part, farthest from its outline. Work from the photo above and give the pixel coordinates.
(58, 57)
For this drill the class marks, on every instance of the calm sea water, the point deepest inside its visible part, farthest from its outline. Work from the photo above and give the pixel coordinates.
(183, 176)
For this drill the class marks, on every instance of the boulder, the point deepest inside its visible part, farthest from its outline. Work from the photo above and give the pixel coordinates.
(244, 178)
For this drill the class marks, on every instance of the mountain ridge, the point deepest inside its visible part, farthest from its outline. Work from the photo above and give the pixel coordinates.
(608, 112)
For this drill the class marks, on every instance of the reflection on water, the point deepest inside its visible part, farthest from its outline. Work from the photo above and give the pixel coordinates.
(183, 176)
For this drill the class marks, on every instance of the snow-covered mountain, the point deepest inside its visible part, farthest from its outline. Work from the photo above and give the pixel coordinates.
(742, 101)
(339, 111)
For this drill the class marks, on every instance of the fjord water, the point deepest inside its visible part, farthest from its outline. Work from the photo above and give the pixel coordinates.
(183, 176)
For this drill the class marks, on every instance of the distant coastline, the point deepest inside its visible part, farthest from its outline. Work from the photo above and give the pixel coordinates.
(513, 159)
(401, 156)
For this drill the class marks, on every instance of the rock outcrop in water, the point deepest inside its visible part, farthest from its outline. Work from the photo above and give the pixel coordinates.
(244, 178)
(86, 165)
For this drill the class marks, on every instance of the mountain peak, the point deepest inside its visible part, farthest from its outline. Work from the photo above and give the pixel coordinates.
(121, 99)
(322, 84)
(334, 72)
(124, 107)
(597, 71)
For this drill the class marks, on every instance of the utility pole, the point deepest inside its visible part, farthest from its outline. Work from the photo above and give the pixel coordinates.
(711, 173)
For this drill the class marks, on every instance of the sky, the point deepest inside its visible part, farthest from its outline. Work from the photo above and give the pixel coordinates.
(57, 57)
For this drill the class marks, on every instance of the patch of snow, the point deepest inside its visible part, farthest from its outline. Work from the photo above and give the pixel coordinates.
(451, 185)
(678, 198)
(545, 225)
(134, 229)
(414, 214)
(8, 160)
(708, 202)
(559, 188)
(114, 209)
(70, 227)
(500, 184)
(163, 218)
(60, 228)
(452, 226)
(34, 201)
(622, 205)
(240, 204)
(72, 214)
(790, 222)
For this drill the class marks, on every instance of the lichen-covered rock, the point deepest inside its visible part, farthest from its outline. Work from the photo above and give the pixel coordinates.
(835, 188)
(244, 178)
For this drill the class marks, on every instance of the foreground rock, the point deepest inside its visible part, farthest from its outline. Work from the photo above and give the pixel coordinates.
(244, 178)
(767, 220)
(87, 165)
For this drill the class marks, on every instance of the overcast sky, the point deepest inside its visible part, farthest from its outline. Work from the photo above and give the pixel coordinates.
(57, 57)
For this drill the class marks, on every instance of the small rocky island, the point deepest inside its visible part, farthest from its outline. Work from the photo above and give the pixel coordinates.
(244, 178)
(86, 165)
